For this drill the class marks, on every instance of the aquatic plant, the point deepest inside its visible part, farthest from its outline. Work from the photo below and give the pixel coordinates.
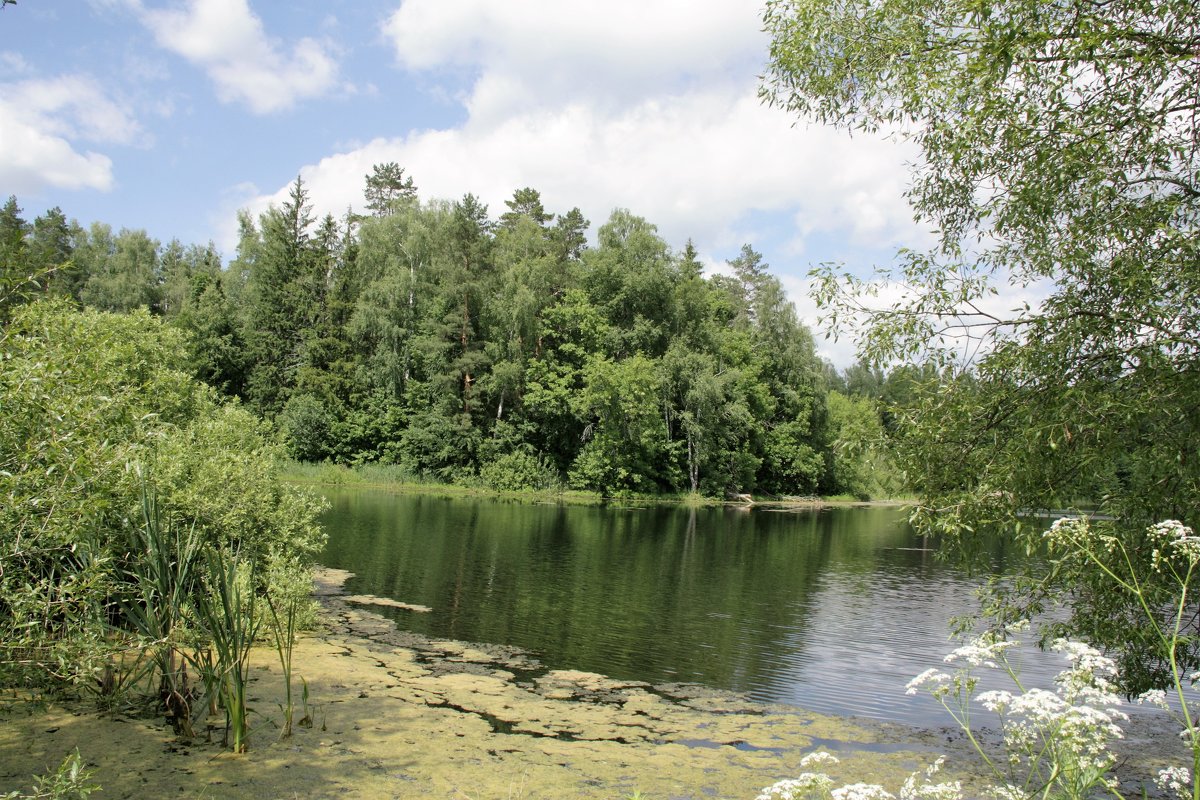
(229, 616)
(162, 555)
(69, 782)
(285, 639)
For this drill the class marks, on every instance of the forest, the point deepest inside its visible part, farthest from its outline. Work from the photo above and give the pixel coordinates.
(504, 352)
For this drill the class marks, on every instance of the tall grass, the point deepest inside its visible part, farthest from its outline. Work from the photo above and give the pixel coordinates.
(285, 639)
(228, 613)
(160, 569)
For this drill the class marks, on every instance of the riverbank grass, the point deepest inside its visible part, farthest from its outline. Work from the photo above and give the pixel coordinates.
(389, 477)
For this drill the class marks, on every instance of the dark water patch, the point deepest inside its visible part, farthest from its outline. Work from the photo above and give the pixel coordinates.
(712, 744)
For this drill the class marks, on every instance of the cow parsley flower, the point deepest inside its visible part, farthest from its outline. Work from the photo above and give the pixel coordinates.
(997, 701)
(984, 651)
(819, 757)
(862, 791)
(800, 788)
(926, 790)
(1176, 780)
(930, 676)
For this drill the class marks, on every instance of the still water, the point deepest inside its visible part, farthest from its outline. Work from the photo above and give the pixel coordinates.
(832, 610)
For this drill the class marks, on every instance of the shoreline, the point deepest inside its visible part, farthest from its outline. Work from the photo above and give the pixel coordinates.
(398, 715)
(336, 477)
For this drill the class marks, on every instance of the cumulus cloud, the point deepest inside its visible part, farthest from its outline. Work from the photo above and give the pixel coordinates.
(227, 40)
(645, 104)
(43, 122)
(695, 164)
(580, 47)
(840, 346)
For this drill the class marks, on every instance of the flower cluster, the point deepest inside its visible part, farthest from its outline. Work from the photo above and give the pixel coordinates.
(817, 785)
(807, 785)
(1176, 780)
(1067, 533)
(1173, 541)
(1056, 737)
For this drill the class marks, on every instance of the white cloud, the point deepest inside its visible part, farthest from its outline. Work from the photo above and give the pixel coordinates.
(1006, 304)
(227, 40)
(644, 104)
(579, 46)
(694, 164)
(13, 63)
(41, 123)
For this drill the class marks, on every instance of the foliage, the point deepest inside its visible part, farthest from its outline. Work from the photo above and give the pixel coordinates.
(306, 423)
(81, 393)
(430, 336)
(69, 782)
(1059, 155)
(88, 559)
(861, 463)
(160, 568)
(517, 471)
(284, 632)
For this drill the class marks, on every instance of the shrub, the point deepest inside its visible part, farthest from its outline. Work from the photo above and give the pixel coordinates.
(518, 471)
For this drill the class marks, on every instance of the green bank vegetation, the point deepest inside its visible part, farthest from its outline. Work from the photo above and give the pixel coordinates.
(141, 518)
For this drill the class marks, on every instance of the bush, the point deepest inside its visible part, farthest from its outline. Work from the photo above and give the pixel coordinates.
(89, 399)
(519, 471)
(306, 425)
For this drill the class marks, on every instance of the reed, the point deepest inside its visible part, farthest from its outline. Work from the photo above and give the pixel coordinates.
(228, 612)
(160, 569)
(285, 639)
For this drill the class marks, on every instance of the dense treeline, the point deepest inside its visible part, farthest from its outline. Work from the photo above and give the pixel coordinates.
(507, 351)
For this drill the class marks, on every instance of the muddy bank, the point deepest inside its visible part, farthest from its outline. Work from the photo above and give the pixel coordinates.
(397, 715)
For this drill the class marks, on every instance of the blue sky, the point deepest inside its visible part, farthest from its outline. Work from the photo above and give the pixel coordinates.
(170, 115)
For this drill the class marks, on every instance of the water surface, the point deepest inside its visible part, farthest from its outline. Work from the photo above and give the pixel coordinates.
(832, 610)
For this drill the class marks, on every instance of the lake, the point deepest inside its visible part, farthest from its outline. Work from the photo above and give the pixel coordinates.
(832, 610)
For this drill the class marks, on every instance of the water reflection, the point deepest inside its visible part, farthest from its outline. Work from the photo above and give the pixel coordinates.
(833, 610)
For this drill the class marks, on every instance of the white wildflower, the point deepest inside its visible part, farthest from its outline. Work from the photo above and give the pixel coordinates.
(862, 791)
(1176, 780)
(819, 757)
(1177, 538)
(997, 701)
(1066, 532)
(930, 791)
(1153, 697)
(1009, 792)
(1038, 705)
(984, 651)
(932, 676)
(799, 788)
